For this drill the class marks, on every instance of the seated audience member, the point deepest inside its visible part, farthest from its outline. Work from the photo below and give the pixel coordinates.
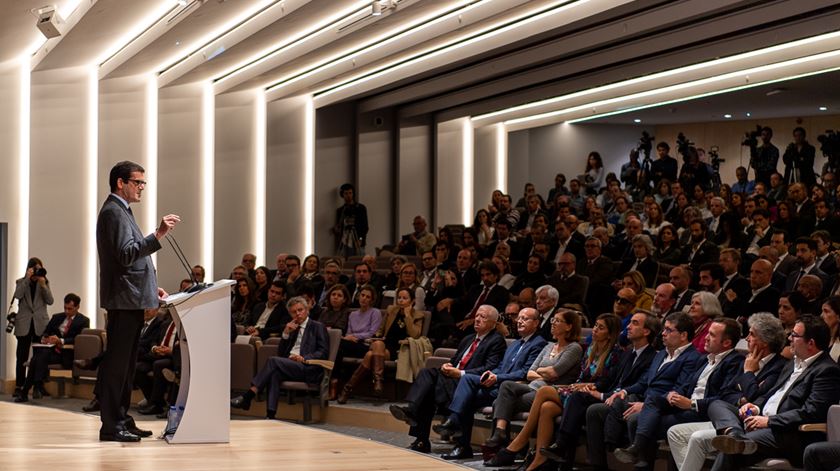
(468, 275)
(249, 261)
(510, 317)
(433, 388)
(791, 305)
(186, 284)
(768, 427)
(401, 321)
(198, 273)
(532, 277)
(419, 241)
(700, 249)
(642, 332)
(527, 298)
(310, 274)
(262, 280)
(566, 241)
(759, 233)
(691, 442)
(674, 365)
(623, 307)
(361, 277)
(335, 313)
(332, 277)
(831, 316)
(362, 324)
(667, 247)
(61, 330)
(396, 262)
(408, 280)
(506, 278)
(599, 270)
(243, 301)
(601, 356)
(642, 259)
(546, 305)
(457, 322)
(664, 300)
(303, 339)
(475, 391)
(636, 281)
(763, 296)
(158, 356)
(570, 286)
(269, 318)
(806, 255)
(557, 363)
(704, 308)
(680, 277)
(810, 286)
(714, 379)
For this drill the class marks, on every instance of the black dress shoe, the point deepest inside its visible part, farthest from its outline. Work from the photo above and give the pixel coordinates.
(119, 436)
(404, 414)
(627, 455)
(448, 430)
(93, 406)
(554, 452)
(422, 446)
(131, 426)
(459, 453)
(241, 402)
(39, 388)
(17, 392)
(22, 397)
(504, 457)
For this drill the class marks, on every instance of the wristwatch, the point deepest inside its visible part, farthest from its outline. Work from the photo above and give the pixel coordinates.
(694, 405)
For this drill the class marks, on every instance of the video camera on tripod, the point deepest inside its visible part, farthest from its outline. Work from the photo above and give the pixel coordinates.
(684, 146)
(830, 147)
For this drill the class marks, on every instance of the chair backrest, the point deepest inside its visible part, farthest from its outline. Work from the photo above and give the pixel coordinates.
(833, 423)
(242, 365)
(427, 321)
(585, 332)
(86, 346)
(509, 341)
(335, 340)
(273, 341)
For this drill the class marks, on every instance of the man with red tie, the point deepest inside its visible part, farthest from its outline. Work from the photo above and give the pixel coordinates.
(61, 330)
(157, 358)
(434, 388)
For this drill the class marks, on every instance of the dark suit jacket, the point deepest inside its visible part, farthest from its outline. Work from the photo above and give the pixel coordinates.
(127, 275)
(79, 323)
(627, 373)
(572, 290)
(753, 386)
(762, 242)
(276, 322)
(518, 359)
(487, 355)
(601, 272)
(808, 399)
(788, 265)
(721, 383)
(497, 297)
(793, 278)
(765, 301)
(659, 382)
(151, 337)
(315, 345)
(648, 268)
(684, 301)
(830, 224)
(708, 252)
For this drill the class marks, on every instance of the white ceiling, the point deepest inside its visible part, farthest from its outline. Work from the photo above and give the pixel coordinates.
(624, 40)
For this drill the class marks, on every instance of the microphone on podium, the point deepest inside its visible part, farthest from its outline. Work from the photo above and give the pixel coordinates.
(182, 257)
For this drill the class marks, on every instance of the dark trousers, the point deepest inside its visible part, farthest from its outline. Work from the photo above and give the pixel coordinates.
(154, 387)
(574, 416)
(616, 429)
(789, 445)
(279, 369)
(468, 396)
(24, 342)
(117, 369)
(822, 456)
(39, 365)
(596, 449)
(654, 420)
(431, 390)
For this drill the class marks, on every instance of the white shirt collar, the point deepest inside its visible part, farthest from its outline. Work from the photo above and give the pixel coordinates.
(716, 358)
(121, 200)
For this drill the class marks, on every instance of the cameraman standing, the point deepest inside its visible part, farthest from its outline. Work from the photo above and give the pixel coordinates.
(799, 160)
(765, 157)
(33, 295)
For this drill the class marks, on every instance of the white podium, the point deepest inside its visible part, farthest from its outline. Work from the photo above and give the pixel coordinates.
(203, 320)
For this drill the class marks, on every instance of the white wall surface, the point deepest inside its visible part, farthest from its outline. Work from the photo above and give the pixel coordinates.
(335, 165)
(414, 175)
(375, 177)
(449, 174)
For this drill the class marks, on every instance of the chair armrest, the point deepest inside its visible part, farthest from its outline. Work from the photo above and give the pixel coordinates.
(68, 347)
(325, 364)
(813, 428)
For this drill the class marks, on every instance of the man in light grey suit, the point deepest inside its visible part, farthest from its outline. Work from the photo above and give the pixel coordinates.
(127, 286)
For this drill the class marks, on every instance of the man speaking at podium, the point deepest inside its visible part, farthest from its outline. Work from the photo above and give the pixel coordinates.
(127, 287)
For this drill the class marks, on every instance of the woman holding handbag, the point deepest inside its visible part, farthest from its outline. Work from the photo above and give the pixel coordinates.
(33, 295)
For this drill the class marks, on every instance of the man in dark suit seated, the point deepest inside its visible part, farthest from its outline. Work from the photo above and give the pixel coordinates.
(464, 308)
(641, 260)
(763, 296)
(600, 271)
(642, 331)
(664, 300)
(769, 426)
(61, 330)
(806, 255)
(268, 319)
(672, 366)
(700, 250)
(476, 390)
(303, 339)
(434, 388)
(691, 442)
(570, 285)
(688, 402)
(680, 277)
(825, 221)
(153, 357)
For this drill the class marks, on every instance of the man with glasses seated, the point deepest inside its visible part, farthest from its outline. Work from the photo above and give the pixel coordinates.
(332, 276)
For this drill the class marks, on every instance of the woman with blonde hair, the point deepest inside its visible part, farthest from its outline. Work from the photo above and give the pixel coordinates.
(636, 281)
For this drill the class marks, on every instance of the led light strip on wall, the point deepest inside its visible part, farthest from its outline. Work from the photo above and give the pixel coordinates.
(259, 174)
(709, 68)
(501, 158)
(89, 300)
(468, 170)
(151, 153)
(309, 177)
(24, 122)
(208, 114)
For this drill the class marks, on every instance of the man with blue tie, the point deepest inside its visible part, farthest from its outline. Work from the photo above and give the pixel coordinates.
(476, 390)
(688, 402)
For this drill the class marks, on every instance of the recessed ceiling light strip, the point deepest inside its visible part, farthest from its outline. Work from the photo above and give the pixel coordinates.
(151, 22)
(828, 37)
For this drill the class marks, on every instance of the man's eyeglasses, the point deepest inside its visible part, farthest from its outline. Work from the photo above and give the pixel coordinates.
(668, 330)
(624, 301)
(794, 335)
(138, 182)
(558, 320)
(334, 273)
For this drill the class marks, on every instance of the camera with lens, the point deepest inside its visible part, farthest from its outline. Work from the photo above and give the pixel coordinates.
(684, 145)
(830, 147)
(645, 144)
(41, 272)
(10, 319)
(751, 138)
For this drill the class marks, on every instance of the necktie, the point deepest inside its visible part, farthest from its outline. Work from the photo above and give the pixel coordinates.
(466, 359)
(67, 328)
(633, 357)
(801, 274)
(513, 359)
(169, 331)
(144, 329)
(479, 302)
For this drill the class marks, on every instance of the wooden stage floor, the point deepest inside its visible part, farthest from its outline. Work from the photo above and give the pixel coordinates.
(42, 438)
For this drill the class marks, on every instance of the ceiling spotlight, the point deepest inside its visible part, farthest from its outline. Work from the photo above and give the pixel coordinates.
(727, 116)
(749, 114)
(823, 108)
(637, 120)
(376, 8)
(183, 3)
